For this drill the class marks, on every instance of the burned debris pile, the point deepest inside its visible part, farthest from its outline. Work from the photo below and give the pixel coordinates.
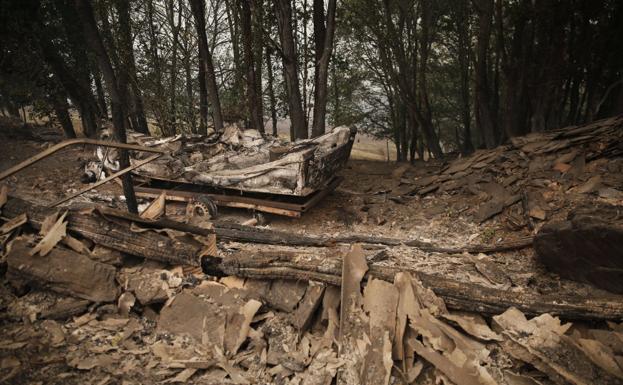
(95, 294)
(537, 177)
(238, 159)
(103, 296)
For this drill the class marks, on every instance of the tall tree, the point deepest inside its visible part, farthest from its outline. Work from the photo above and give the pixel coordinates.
(271, 90)
(175, 32)
(323, 41)
(253, 80)
(484, 115)
(128, 68)
(283, 10)
(205, 59)
(94, 40)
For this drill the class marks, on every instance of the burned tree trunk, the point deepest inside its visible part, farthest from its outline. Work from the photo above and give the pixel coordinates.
(323, 38)
(61, 110)
(271, 90)
(205, 58)
(93, 37)
(290, 68)
(254, 100)
(137, 114)
(456, 294)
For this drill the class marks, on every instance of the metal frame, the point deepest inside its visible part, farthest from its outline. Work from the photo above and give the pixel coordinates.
(289, 209)
(72, 142)
(82, 141)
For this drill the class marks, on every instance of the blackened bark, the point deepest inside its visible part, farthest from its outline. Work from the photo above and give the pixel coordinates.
(205, 59)
(99, 90)
(175, 30)
(283, 10)
(271, 90)
(61, 110)
(324, 48)
(254, 101)
(137, 113)
(323, 39)
(464, 43)
(484, 117)
(95, 42)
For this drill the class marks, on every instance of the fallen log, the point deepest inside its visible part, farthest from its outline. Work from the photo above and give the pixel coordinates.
(457, 295)
(241, 233)
(63, 271)
(113, 229)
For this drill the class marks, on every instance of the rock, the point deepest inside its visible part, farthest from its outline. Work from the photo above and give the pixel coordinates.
(585, 249)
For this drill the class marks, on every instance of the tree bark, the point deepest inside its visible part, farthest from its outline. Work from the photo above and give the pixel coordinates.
(137, 113)
(175, 30)
(271, 90)
(484, 116)
(290, 67)
(99, 90)
(458, 295)
(464, 43)
(61, 110)
(205, 59)
(254, 100)
(323, 39)
(93, 37)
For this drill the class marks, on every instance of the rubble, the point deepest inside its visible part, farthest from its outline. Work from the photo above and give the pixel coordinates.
(550, 170)
(244, 160)
(98, 295)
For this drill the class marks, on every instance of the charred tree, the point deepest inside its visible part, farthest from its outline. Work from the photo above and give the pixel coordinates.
(127, 61)
(484, 116)
(254, 100)
(323, 41)
(283, 10)
(205, 60)
(95, 42)
(271, 90)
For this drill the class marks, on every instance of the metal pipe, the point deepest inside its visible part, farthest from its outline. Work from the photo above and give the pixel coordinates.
(111, 177)
(59, 146)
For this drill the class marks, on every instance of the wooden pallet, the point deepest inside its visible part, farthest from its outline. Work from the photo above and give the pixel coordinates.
(286, 205)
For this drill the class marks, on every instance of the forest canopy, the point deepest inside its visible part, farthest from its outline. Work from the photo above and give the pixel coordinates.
(431, 76)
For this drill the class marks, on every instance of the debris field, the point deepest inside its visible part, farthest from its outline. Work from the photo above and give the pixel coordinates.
(503, 267)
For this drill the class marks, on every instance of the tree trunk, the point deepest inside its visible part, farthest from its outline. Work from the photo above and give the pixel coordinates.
(290, 67)
(484, 117)
(464, 44)
(61, 110)
(458, 295)
(77, 93)
(271, 90)
(137, 113)
(205, 59)
(99, 90)
(175, 30)
(323, 39)
(254, 101)
(257, 14)
(94, 40)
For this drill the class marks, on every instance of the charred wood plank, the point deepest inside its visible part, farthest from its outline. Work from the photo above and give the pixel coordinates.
(63, 271)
